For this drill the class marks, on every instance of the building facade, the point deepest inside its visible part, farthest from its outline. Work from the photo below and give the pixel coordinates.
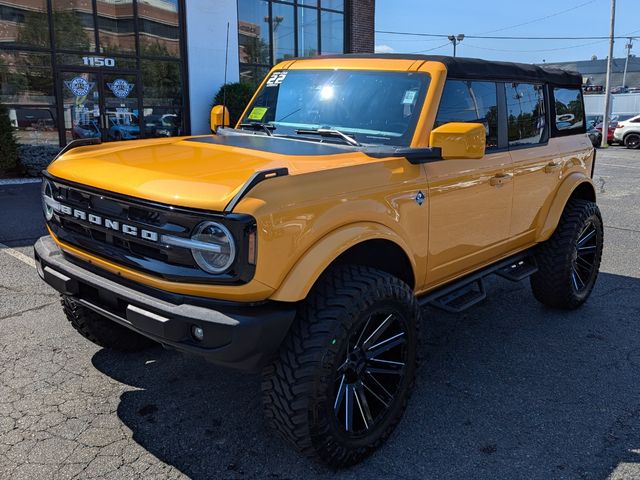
(126, 69)
(594, 72)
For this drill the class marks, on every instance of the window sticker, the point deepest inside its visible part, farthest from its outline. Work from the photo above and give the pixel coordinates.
(409, 97)
(257, 113)
(276, 79)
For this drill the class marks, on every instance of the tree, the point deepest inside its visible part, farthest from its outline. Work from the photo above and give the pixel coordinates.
(238, 96)
(8, 144)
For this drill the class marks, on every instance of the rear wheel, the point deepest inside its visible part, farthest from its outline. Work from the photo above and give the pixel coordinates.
(101, 330)
(632, 140)
(343, 376)
(568, 263)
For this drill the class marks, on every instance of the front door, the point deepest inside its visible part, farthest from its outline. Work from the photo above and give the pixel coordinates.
(469, 213)
(100, 105)
(469, 200)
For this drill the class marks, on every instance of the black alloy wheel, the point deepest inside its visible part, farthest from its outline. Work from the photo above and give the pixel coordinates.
(368, 381)
(583, 265)
(569, 261)
(632, 141)
(343, 376)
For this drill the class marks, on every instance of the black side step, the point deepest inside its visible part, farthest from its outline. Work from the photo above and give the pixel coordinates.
(462, 298)
(466, 292)
(517, 271)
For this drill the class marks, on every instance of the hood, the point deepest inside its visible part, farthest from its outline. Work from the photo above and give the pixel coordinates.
(195, 172)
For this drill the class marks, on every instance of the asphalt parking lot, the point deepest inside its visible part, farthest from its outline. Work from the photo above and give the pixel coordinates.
(507, 390)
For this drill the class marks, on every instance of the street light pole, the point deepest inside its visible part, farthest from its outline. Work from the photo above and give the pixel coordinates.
(607, 89)
(455, 40)
(628, 46)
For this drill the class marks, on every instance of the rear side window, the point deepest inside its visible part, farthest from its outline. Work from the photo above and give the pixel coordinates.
(569, 110)
(526, 114)
(474, 102)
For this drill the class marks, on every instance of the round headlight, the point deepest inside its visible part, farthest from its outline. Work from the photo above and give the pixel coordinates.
(218, 247)
(47, 199)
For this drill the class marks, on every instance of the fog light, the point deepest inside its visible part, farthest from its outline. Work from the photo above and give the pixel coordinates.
(197, 332)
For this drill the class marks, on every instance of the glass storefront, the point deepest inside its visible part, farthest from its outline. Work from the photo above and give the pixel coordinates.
(270, 31)
(109, 69)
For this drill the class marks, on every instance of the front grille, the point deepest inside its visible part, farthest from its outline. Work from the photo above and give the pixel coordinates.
(170, 262)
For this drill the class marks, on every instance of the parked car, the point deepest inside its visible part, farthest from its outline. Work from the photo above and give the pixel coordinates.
(167, 125)
(627, 132)
(304, 242)
(123, 126)
(610, 131)
(595, 136)
(89, 129)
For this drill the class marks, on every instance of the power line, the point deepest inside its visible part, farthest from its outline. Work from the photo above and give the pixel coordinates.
(432, 49)
(484, 37)
(540, 18)
(536, 50)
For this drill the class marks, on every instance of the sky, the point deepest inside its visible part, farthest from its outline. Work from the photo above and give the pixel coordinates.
(564, 18)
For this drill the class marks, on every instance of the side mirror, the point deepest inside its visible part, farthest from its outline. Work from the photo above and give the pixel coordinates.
(219, 117)
(459, 140)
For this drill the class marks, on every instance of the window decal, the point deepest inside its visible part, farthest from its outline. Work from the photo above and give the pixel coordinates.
(79, 86)
(258, 113)
(276, 79)
(120, 88)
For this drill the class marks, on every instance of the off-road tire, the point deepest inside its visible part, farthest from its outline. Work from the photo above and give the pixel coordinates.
(552, 284)
(102, 331)
(297, 386)
(632, 140)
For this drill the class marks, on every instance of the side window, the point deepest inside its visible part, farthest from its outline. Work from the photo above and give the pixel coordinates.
(526, 114)
(470, 101)
(569, 109)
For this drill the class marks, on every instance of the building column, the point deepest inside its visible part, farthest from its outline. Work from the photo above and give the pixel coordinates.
(206, 31)
(360, 17)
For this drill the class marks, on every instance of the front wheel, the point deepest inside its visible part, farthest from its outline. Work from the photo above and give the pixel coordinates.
(568, 263)
(343, 376)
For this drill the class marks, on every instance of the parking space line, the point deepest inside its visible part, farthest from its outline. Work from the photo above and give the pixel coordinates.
(19, 181)
(18, 255)
(620, 166)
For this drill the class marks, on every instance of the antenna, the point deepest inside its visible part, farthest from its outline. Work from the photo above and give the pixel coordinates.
(224, 87)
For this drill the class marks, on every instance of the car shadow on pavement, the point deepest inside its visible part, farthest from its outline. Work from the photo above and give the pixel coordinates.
(507, 390)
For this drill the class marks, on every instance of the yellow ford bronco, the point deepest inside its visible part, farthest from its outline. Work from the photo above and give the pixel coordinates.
(304, 240)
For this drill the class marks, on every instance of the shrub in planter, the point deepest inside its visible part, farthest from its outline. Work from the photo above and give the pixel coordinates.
(238, 96)
(8, 145)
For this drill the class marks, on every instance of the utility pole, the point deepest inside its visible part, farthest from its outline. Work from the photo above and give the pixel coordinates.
(455, 39)
(628, 46)
(607, 88)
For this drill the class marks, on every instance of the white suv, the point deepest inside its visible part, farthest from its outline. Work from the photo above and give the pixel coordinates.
(628, 132)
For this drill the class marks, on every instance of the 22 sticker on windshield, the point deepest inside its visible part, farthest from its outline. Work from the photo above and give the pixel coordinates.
(276, 79)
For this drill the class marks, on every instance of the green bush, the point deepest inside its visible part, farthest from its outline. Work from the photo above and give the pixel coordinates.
(238, 96)
(8, 145)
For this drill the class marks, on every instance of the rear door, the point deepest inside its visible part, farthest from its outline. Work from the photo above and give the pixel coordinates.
(539, 162)
(469, 200)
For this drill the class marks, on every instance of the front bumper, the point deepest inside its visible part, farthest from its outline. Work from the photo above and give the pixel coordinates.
(235, 335)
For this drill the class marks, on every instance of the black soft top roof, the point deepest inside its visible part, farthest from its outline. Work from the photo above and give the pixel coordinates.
(459, 67)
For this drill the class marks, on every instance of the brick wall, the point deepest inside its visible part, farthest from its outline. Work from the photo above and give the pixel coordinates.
(360, 26)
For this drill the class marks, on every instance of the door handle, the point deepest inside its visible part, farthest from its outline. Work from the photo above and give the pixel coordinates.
(552, 167)
(500, 179)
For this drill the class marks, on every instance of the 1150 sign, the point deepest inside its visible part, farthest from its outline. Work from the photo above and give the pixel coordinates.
(99, 61)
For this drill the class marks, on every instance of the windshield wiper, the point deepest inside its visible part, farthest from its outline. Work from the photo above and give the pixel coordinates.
(259, 126)
(330, 132)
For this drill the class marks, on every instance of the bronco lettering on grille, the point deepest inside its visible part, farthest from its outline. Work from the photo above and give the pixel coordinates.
(109, 223)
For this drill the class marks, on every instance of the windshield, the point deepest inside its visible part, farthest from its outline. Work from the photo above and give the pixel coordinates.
(373, 107)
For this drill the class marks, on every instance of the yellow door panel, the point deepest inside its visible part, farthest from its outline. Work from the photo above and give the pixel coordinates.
(469, 211)
(538, 173)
